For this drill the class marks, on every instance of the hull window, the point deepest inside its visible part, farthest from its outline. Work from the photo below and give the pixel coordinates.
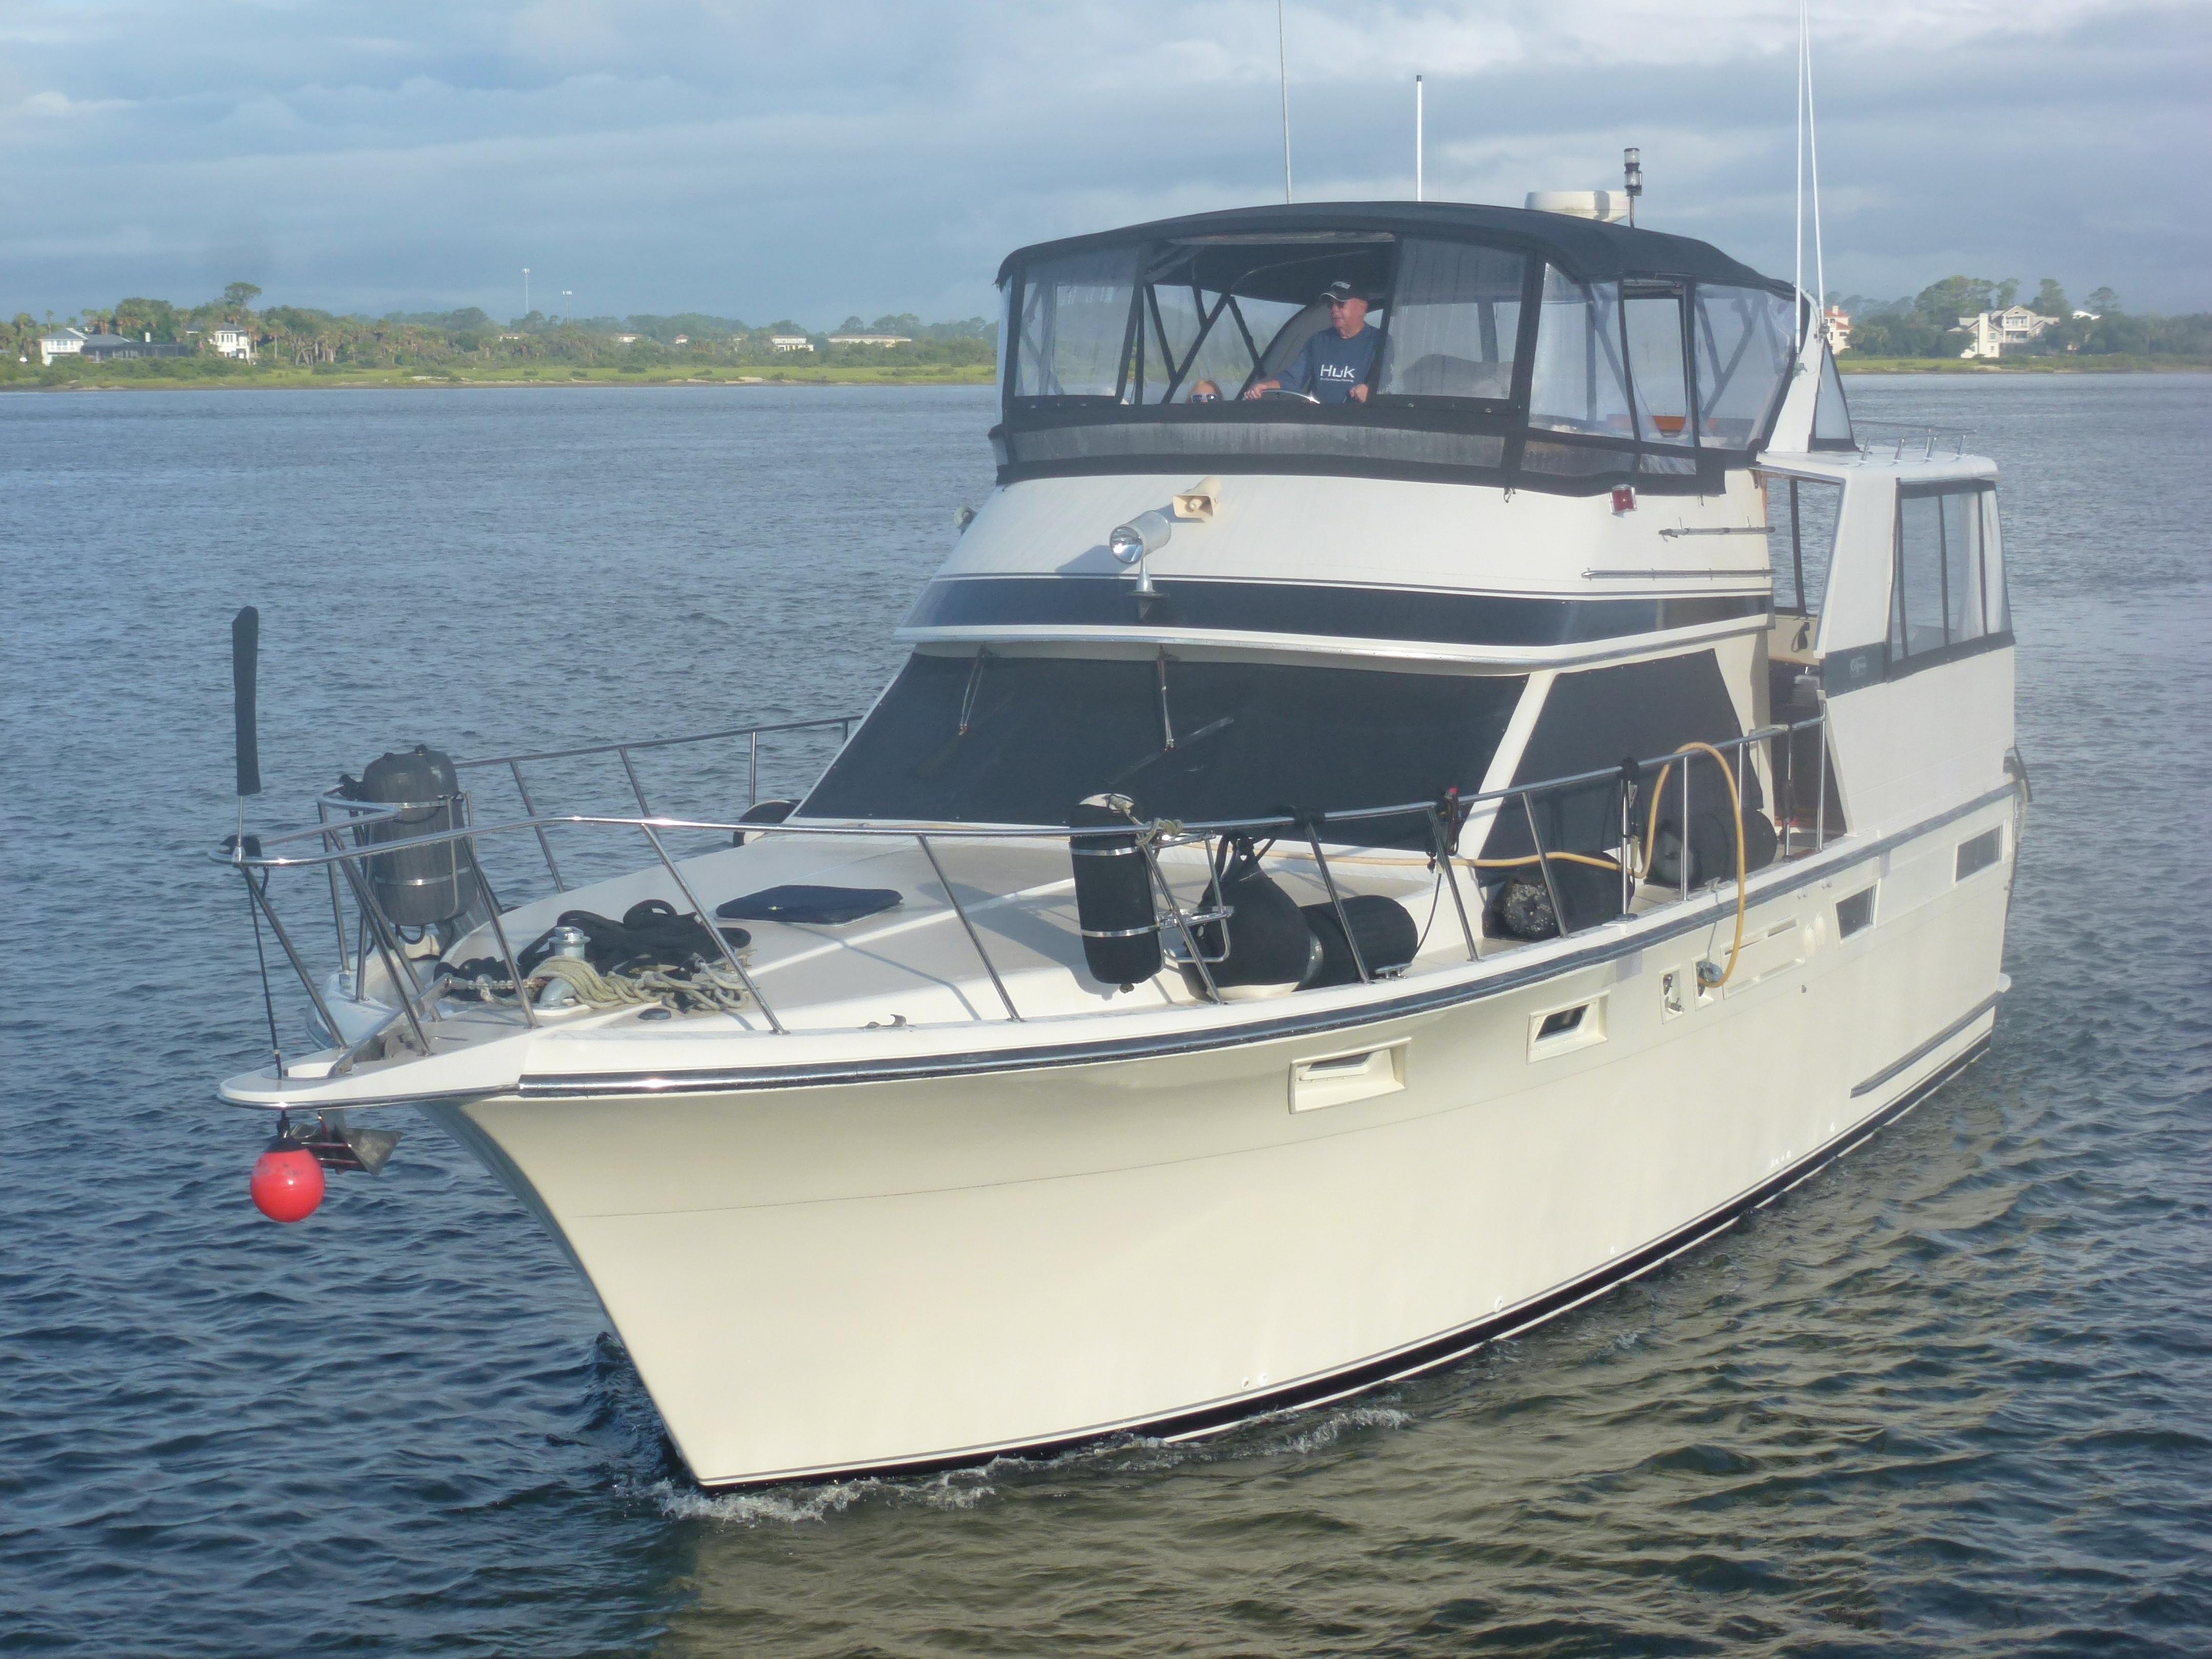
(1856, 913)
(1198, 741)
(1980, 853)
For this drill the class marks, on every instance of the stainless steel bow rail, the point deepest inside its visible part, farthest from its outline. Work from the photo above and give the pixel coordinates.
(336, 848)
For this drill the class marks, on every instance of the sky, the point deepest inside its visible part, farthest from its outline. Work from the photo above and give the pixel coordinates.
(769, 162)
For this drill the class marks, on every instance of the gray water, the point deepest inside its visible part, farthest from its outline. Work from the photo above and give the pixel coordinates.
(1955, 1396)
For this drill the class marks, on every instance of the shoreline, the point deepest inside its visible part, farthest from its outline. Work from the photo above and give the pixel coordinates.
(408, 380)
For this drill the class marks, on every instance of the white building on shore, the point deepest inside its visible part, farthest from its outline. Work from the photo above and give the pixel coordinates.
(59, 343)
(231, 341)
(791, 342)
(1994, 331)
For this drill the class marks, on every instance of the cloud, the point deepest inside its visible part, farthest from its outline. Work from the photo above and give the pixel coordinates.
(765, 162)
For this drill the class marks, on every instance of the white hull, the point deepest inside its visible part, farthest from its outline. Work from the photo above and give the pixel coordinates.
(814, 1280)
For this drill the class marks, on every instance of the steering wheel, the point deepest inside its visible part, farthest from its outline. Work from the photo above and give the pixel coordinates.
(1284, 392)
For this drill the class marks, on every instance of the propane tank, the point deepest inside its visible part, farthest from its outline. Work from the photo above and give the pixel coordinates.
(1114, 894)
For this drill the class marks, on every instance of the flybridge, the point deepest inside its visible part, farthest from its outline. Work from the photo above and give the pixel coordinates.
(1514, 347)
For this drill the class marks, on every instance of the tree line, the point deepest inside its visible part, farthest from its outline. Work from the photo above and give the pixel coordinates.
(1927, 324)
(303, 338)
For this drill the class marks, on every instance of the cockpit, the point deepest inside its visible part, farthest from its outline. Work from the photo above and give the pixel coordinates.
(1510, 347)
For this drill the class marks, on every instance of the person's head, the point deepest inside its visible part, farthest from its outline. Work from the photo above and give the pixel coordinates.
(1206, 391)
(1347, 310)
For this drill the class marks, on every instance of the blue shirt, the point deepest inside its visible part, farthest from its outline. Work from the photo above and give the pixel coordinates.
(1330, 365)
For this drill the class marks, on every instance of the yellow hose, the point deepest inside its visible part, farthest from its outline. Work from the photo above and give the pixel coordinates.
(1650, 840)
(1735, 804)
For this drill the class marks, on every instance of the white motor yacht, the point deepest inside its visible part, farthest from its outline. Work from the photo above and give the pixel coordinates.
(1333, 884)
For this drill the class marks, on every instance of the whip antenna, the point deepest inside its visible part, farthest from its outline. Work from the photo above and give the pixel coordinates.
(1283, 69)
(1813, 146)
(1797, 242)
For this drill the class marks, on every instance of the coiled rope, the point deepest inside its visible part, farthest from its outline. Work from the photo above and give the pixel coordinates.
(711, 988)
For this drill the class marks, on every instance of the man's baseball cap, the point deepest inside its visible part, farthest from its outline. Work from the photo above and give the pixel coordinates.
(1336, 292)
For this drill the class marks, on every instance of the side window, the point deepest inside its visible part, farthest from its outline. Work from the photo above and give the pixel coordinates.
(1941, 589)
(1578, 384)
(1074, 332)
(1656, 369)
(1454, 323)
(1743, 359)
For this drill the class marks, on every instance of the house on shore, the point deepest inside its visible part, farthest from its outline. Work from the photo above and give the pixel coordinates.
(1991, 332)
(1839, 328)
(116, 347)
(791, 342)
(59, 343)
(231, 341)
(871, 339)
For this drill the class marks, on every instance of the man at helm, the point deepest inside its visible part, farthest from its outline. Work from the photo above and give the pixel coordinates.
(1334, 366)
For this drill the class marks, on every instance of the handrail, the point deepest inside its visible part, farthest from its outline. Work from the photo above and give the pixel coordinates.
(373, 811)
(847, 721)
(418, 1001)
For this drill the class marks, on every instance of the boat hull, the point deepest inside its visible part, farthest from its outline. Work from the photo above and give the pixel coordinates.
(864, 1276)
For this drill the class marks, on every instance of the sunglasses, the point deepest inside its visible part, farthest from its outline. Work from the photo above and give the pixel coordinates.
(1206, 397)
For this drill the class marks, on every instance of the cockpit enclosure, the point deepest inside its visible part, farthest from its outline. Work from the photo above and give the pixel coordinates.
(1518, 348)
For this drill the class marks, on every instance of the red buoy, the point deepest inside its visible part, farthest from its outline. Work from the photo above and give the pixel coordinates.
(288, 1182)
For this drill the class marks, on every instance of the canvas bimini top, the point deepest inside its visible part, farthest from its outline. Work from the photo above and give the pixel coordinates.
(1514, 347)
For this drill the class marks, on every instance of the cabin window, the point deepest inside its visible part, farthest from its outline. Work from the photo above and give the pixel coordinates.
(1940, 596)
(1743, 356)
(1578, 384)
(1656, 371)
(1198, 741)
(1074, 330)
(1455, 321)
(1801, 540)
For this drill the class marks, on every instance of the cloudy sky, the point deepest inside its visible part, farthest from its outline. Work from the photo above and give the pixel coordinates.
(858, 155)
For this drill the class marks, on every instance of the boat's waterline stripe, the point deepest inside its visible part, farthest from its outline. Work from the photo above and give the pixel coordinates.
(971, 1063)
(1896, 1067)
(1319, 610)
(1426, 1355)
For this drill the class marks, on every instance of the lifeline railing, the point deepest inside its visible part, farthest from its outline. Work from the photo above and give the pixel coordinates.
(1906, 435)
(252, 857)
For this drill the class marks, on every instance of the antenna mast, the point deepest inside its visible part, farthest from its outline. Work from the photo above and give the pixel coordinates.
(1812, 145)
(1417, 137)
(1283, 67)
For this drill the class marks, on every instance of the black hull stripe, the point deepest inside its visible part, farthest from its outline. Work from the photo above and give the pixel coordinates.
(1319, 610)
(1896, 1067)
(1437, 1351)
(569, 1086)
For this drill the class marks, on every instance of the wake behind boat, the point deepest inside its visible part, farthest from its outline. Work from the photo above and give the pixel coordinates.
(1444, 771)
